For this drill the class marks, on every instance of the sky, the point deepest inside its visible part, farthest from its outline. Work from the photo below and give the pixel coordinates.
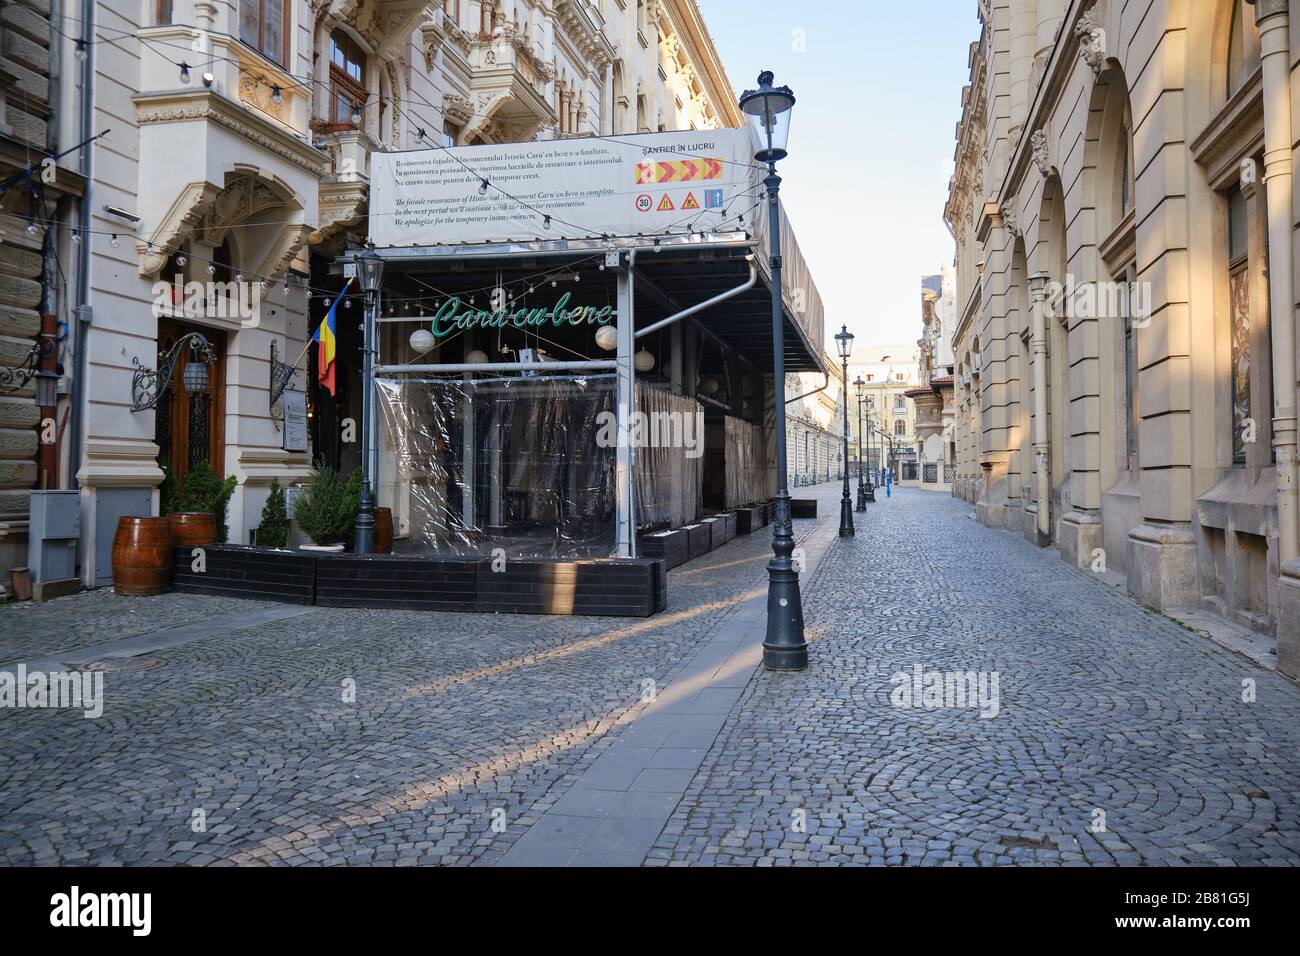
(878, 88)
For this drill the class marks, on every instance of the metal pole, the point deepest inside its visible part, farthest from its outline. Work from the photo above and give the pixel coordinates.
(846, 504)
(869, 495)
(862, 494)
(625, 403)
(784, 648)
(365, 529)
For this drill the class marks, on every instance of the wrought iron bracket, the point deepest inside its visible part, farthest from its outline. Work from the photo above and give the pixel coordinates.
(148, 386)
(13, 379)
(282, 374)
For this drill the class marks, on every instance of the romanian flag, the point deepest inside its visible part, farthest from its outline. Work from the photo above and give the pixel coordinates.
(327, 343)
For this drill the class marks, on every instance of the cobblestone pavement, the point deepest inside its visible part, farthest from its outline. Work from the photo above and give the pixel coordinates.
(459, 720)
(1105, 709)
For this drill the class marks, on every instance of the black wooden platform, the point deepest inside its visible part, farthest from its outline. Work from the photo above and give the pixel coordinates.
(392, 581)
(803, 507)
(232, 570)
(614, 587)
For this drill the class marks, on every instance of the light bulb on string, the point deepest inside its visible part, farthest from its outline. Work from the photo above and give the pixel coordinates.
(181, 260)
(185, 73)
(276, 96)
(114, 241)
(546, 222)
(212, 270)
(82, 51)
(483, 188)
(76, 238)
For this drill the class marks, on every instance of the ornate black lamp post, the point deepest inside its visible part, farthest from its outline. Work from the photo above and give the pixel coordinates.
(858, 386)
(844, 345)
(370, 270)
(869, 494)
(784, 648)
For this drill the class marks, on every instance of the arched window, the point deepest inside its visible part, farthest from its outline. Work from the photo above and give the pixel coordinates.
(1243, 45)
(347, 79)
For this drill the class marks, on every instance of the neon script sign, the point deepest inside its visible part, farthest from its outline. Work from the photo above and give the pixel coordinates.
(450, 318)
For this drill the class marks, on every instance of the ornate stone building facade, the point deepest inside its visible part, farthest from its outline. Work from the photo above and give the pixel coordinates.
(933, 397)
(237, 160)
(1125, 345)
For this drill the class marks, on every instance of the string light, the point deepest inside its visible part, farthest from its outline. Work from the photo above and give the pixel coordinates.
(483, 188)
(546, 222)
(82, 52)
(276, 96)
(114, 242)
(185, 72)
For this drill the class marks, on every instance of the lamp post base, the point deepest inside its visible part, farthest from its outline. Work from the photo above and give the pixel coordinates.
(846, 517)
(365, 527)
(870, 497)
(784, 648)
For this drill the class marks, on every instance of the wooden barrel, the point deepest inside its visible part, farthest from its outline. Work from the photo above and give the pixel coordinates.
(192, 528)
(383, 531)
(142, 556)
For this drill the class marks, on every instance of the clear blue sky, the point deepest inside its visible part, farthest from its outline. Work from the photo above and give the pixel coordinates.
(879, 85)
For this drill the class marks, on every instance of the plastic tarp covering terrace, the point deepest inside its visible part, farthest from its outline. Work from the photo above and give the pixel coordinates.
(527, 464)
(746, 473)
(512, 463)
(669, 466)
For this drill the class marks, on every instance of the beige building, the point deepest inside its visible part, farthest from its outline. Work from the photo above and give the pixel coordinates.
(888, 372)
(815, 425)
(240, 135)
(1125, 350)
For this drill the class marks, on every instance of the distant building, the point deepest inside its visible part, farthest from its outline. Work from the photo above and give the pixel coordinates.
(888, 415)
(933, 397)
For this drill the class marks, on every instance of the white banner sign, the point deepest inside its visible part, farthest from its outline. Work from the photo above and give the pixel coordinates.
(647, 185)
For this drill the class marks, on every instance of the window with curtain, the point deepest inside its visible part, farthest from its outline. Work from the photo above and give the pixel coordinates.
(162, 12)
(347, 78)
(1243, 46)
(1239, 297)
(900, 428)
(263, 25)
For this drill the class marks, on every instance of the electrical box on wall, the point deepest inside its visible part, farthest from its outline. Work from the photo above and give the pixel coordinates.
(54, 525)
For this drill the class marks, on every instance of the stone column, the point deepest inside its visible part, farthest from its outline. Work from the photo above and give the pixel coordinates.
(1042, 531)
(1275, 47)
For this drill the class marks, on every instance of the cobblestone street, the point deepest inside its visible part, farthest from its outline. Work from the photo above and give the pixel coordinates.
(513, 739)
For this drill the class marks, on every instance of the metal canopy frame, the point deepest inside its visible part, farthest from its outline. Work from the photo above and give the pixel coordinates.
(699, 272)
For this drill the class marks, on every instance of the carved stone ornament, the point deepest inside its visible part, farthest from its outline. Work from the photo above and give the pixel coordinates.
(1038, 145)
(1009, 219)
(1092, 40)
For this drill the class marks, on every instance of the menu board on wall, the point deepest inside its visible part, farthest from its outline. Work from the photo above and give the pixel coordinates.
(294, 434)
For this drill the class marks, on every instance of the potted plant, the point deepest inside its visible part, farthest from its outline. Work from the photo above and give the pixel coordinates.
(201, 494)
(326, 510)
(273, 531)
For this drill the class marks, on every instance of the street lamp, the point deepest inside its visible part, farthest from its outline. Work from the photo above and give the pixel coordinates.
(784, 648)
(858, 386)
(869, 492)
(370, 270)
(844, 345)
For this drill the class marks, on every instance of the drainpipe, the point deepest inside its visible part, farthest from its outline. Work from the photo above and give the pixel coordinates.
(82, 318)
(1274, 31)
(1042, 448)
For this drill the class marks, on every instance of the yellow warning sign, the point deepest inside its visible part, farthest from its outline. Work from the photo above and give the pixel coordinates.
(666, 204)
(690, 202)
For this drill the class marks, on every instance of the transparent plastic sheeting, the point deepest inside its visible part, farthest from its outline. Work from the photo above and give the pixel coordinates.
(669, 458)
(521, 463)
(744, 454)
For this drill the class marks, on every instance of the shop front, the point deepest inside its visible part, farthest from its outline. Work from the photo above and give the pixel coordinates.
(573, 343)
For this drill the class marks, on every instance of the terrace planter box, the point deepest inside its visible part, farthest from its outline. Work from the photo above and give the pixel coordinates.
(672, 546)
(389, 581)
(234, 570)
(803, 507)
(724, 528)
(629, 587)
(701, 540)
(750, 519)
